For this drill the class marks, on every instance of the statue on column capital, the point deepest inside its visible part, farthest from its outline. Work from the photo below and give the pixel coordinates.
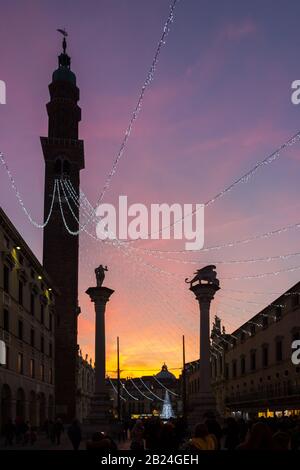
(100, 274)
(206, 274)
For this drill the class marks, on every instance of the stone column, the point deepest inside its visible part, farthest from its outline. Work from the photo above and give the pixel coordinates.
(100, 296)
(204, 292)
(98, 417)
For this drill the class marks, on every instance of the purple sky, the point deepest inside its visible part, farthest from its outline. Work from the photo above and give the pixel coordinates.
(220, 102)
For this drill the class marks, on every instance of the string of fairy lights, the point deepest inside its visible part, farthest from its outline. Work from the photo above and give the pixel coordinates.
(83, 213)
(137, 109)
(163, 271)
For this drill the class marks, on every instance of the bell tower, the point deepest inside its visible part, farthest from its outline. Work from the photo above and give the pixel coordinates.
(64, 158)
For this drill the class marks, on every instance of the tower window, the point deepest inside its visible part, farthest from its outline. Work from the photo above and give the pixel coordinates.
(58, 167)
(62, 167)
(66, 167)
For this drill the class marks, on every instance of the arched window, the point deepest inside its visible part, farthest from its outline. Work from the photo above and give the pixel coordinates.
(62, 167)
(66, 168)
(58, 167)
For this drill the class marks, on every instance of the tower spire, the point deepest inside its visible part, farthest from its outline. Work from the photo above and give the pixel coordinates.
(63, 59)
(65, 34)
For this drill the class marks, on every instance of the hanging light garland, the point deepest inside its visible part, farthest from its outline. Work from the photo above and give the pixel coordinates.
(128, 393)
(166, 388)
(243, 179)
(232, 244)
(115, 390)
(260, 293)
(259, 276)
(145, 396)
(251, 301)
(19, 198)
(232, 261)
(137, 109)
(149, 390)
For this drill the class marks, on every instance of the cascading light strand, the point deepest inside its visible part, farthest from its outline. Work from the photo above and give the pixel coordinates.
(138, 107)
(19, 198)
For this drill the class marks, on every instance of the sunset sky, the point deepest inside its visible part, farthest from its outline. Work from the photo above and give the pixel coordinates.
(220, 102)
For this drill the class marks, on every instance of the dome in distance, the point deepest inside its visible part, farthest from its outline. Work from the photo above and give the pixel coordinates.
(165, 374)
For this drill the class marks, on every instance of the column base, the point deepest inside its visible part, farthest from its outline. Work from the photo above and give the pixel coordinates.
(205, 404)
(99, 418)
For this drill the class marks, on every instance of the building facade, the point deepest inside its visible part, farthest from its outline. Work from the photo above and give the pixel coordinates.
(252, 370)
(85, 386)
(27, 327)
(64, 158)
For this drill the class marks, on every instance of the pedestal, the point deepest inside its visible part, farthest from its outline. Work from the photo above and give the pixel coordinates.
(99, 418)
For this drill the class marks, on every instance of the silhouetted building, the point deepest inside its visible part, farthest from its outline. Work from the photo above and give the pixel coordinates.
(85, 386)
(27, 326)
(252, 370)
(64, 158)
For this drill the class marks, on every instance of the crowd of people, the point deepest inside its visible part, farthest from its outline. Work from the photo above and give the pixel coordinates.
(19, 432)
(172, 435)
(232, 434)
(22, 433)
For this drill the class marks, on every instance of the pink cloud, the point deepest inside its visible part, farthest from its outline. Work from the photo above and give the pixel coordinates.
(234, 31)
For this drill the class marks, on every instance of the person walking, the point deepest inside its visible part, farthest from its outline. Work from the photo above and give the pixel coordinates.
(9, 433)
(137, 436)
(58, 429)
(74, 433)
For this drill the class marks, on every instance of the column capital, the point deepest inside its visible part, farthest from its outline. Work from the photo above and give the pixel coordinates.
(99, 294)
(204, 292)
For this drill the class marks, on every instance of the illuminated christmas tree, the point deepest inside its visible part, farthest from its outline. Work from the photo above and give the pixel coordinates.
(167, 410)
